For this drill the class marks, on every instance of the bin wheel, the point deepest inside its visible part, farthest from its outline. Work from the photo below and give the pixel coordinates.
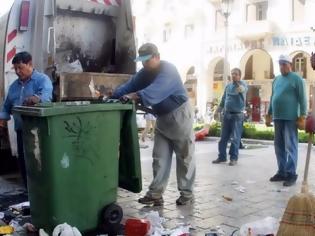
(112, 214)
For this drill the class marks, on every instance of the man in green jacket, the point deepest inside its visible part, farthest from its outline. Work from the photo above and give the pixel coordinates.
(287, 110)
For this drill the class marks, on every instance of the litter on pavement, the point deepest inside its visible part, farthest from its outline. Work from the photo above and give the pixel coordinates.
(266, 226)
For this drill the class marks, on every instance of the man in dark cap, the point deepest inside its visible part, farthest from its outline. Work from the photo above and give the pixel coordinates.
(158, 85)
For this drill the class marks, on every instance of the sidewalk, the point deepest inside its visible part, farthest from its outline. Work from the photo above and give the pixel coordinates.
(254, 197)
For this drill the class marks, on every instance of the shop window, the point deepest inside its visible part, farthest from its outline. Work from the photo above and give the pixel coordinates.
(299, 65)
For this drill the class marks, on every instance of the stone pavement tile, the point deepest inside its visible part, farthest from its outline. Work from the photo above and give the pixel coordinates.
(280, 203)
(238, 222)
(262, 205)
(206, 205)
(238, 212)
(128, 200)
(178, 213)
(212, 222)
(207, 213)
(274, 212)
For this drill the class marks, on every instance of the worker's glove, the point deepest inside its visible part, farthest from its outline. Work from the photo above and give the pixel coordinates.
(129, 97)
(268, 119)
(310, 123)
(313, 61)
(300, 122)
(30, 101)
(240, 89)
(124, 99)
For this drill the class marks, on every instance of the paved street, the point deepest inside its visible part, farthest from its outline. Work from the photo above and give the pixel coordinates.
(259, 200)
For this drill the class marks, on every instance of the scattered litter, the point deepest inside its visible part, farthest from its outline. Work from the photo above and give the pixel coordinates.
(17, 227)
(216, 232)
(235, 183)
(29, 227)
(6, 230)
(229, 199)
(20, 206)
(280, 190)
(140, 227)
(1, 215)
(143, 145)
(181, 217)
(42, 233)
(181, 231)
(241, 189)
(66, 230)
(156, 223)
(266, 226)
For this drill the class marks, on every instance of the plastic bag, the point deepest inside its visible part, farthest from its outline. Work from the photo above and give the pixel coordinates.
(268, 225)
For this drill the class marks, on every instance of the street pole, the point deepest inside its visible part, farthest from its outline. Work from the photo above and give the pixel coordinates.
(226, 7)
(226, 50)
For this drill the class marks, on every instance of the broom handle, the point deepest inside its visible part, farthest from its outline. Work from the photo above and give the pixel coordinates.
(308, 156)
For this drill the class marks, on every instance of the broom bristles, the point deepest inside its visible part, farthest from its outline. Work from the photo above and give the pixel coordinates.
(299, 216)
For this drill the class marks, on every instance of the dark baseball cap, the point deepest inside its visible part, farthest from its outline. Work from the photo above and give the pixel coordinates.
(147, 51)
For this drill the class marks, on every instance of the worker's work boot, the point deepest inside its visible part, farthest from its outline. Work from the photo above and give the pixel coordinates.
(181, 201)
(277, 177)
(218, 161)
(290, 180)
(146, 200)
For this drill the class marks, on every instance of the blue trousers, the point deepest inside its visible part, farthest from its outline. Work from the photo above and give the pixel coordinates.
(21, 159)
(232, 128)
(286, 146)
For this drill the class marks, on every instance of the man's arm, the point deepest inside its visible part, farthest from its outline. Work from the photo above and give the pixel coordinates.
(125, 88)
(6, 109)
(302, 97)
(162, 87)
(272, 92)
(221, 105)
(44, 90)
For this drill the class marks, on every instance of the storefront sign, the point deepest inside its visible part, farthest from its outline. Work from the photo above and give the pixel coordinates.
(276, 41)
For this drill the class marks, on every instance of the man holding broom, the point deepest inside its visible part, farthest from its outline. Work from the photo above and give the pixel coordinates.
(288, 110)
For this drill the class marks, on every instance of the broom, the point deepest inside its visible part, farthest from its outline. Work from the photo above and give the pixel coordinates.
(299, 216)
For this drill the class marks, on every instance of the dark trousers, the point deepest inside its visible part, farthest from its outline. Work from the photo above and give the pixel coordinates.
(21, 160)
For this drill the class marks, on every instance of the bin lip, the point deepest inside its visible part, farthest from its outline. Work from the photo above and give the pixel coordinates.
(54, 109)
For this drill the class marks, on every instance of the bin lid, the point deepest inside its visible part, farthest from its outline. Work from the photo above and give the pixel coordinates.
(61, 108)
(130, 177)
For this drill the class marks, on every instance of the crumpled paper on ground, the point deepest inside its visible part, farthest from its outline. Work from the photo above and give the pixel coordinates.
(66, 230)
(157, 228)
(268, 225)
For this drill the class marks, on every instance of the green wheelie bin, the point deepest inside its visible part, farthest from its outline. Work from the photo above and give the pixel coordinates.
(77, 155)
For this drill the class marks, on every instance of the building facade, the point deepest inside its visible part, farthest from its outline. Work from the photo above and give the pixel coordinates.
(191, 34)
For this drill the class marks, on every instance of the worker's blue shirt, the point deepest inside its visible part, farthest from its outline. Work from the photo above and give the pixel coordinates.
(38, 85)
(163, 90)
(232, 99)
(288, 100)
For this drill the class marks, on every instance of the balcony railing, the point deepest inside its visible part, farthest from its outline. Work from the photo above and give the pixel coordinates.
(255, 30)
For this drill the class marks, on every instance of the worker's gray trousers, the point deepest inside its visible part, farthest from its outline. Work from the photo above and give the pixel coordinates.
(174, 133)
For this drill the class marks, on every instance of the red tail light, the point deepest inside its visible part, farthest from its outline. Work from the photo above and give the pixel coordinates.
(24, 15)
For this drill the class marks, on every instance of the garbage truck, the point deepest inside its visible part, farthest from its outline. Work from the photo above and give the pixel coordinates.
(86, 47)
